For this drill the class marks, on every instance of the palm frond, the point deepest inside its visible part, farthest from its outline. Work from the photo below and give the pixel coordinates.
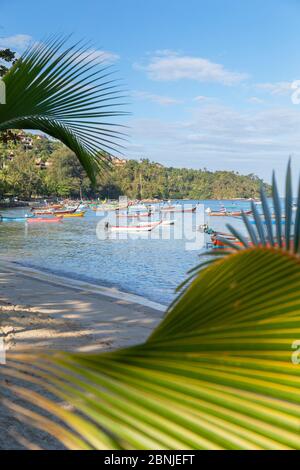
(65, 92)
(215, 374)
(262, 234)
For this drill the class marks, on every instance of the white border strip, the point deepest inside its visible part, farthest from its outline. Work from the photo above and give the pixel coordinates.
(2, 352)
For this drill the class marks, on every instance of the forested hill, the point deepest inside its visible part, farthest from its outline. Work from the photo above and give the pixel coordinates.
(33, 165)
(146, 179)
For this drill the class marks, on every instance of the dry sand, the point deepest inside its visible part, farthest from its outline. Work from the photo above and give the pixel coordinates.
(41, 312)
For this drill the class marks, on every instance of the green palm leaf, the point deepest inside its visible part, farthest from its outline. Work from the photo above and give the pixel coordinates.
(63, 91)
(264, 236)
(215, 374)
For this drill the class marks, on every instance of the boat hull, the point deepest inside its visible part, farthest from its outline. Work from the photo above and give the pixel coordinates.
(228, 214)
(134, 216)
(15, 219)
(134, 228)
(37, 220)
(175, 210)
(69, 216)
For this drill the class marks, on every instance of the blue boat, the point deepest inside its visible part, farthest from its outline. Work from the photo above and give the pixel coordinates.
(15, 219)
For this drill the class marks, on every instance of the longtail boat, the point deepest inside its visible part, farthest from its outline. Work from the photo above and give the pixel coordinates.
(228, 214)
(134, 228)
(64, 211)
(168, 222)
(76, 214)
(42, 211)
(37, 220)
(108, 207)
(219, 243)
(193, 209)
(217, 238)
(176, 209)
(167, 209)
(15, 219)
(135, 216)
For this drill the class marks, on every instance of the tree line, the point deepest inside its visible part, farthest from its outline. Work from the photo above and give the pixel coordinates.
(33, 165)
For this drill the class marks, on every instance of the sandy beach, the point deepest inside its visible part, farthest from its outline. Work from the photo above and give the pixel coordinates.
(46, 312)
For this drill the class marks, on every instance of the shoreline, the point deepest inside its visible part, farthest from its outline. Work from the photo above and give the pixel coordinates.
(110, 290)
(40, 312)
(47, 308)
(26, 204)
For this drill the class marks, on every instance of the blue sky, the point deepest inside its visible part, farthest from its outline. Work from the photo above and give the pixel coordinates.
(210, 80)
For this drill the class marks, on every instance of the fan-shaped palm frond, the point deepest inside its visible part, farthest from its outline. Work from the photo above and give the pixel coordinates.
(271, 227)
(262, 233)
(216, 374)
(219, 372)
(65, 92)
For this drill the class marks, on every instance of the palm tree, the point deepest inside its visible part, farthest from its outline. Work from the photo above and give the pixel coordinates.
(64, 91)
(219, 372)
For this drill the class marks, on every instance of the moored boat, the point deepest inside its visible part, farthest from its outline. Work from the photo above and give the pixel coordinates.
(64, 211)
(108, 207)
(178, 209)
(135, 216)
(42, 211)
(133, 228)
(15, 219)
(167, 209)
(167, 222)
(227, 213)
(75, 214)
(37, 220)
(193, 209)
(238, 213)
(218, 239)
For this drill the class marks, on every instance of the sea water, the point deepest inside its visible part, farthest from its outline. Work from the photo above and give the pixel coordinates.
(148, 264)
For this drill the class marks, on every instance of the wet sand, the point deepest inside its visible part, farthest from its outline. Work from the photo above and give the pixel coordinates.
(39, 311)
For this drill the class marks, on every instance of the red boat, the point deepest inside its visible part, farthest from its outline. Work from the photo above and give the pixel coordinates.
(37, 220)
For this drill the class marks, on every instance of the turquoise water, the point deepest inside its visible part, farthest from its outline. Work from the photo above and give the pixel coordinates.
(149, 264)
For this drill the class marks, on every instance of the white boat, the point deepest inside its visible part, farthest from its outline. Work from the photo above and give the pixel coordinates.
(135, 216)
(168, 222)
(138, 207)
(146, 227)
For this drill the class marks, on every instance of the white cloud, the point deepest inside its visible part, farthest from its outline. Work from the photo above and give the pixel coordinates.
(220, 137)
(19, 42)
(170, 66)
(255, 100)
(200, 98)
(203, 99)
(276, 88)
(162, 100)
(100, 56)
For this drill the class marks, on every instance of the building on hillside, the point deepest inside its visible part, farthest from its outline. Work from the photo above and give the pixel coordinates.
(25, 140)
(118, 161)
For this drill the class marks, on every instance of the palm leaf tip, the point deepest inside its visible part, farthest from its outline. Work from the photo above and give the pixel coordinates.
(216, 373)
(60, 90)
(262, 232)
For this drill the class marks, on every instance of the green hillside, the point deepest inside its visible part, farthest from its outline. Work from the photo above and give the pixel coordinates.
(33, 165)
